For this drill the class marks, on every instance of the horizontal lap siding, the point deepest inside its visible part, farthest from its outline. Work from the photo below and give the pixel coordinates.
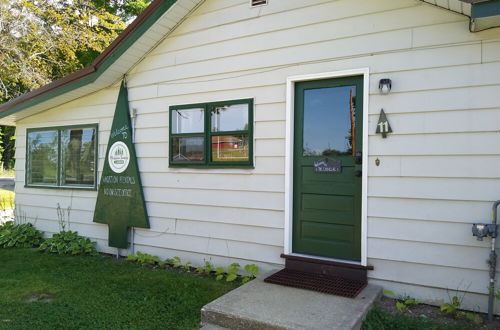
(438, 170)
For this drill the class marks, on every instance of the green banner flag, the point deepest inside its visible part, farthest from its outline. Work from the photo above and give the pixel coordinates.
(120, 200)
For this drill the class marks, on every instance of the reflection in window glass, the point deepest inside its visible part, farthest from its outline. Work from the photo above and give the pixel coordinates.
(42, 162)
(188, 121)
(78, 156)
(230, 118)
(329, 121)
(188, 149)
(230, 148)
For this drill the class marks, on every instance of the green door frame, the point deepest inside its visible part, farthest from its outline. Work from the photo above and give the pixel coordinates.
(290, 92)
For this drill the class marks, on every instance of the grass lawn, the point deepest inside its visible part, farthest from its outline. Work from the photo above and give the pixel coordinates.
(6, 199)
(40, 291)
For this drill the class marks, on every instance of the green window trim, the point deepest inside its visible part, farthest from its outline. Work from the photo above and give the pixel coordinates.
(59, 163)
(207, 134)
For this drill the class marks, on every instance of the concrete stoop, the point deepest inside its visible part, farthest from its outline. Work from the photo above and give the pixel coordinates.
(260, 305)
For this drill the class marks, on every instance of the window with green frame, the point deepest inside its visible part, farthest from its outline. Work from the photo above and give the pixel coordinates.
(216, 134)
(63, 157)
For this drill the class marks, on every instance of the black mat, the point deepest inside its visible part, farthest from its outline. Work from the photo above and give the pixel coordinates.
(327, 284)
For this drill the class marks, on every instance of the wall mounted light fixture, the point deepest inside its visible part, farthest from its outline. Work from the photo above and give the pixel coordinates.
(384, 86)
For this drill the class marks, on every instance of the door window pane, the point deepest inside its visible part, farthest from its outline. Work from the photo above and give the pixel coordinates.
(78, 156)
(329, 121)
(230, 118)
(188, 149)
(188, 121)
(42, 166)
(230, 148)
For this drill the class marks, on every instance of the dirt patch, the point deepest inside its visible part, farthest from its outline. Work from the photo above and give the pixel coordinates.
(46, 298)
(433, 313)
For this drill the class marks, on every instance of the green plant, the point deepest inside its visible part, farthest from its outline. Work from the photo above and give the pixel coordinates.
(402, 303)
(187, 266)
(453, 309)
(19, 236)
(232, 272)
(219, 273)
(175, 262)
(206, 269)
(252, 270)
(144, 258)
(69, 242)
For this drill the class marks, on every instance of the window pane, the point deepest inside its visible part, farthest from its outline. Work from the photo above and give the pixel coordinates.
(188, 121)
(78, 156)
(230, 118)
(42, 165)
(329, 121)
(230, 148)
(188, 149)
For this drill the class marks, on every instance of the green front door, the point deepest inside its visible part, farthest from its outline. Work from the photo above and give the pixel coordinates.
(327, 168)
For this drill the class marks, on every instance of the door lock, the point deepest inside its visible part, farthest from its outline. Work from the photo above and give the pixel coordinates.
(358, 157)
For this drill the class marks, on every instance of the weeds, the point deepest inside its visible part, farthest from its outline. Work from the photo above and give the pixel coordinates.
(231, 274)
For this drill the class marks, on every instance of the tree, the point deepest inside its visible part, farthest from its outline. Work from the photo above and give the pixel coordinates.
(126, 9)
(41, 41)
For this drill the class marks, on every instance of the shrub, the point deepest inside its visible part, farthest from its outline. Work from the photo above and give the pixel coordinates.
(69, 242)
(19, 236)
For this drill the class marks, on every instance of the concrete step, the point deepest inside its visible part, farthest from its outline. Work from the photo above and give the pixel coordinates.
(209, 326)
(260, 305)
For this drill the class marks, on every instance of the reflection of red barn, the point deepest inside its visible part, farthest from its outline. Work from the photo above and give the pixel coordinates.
(226, 142)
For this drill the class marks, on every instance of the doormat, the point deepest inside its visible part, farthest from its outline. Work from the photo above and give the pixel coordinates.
(327, 284)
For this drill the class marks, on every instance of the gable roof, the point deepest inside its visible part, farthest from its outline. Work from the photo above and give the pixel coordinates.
(138, 39)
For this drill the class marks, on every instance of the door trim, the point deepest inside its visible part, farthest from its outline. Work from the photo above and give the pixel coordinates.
(290, 101)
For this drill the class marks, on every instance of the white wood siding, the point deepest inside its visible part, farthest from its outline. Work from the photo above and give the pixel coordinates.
(438, 171)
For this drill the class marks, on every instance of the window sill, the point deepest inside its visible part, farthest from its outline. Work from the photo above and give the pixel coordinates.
(217, 166)
(93, 188)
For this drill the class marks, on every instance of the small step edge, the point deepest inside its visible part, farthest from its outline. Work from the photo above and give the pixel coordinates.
(326, 262)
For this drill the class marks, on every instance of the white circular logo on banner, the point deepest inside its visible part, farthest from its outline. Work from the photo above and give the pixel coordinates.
(118, 157)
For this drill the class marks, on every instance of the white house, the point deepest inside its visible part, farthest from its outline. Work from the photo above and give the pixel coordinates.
(234, 101)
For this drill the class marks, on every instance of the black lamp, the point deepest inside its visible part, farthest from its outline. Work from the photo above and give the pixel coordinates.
(384, 86)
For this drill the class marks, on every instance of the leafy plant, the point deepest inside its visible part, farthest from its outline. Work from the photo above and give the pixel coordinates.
(453, 309)
(252, 270)
(206, 269)
(403, 304)
(19, 236)
(187, 266)
(175, 262)
(144, 258)
(219, 273)
(69, 242)
(232, 272)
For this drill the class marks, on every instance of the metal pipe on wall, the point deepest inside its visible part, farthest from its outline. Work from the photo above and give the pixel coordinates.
(492, 262)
